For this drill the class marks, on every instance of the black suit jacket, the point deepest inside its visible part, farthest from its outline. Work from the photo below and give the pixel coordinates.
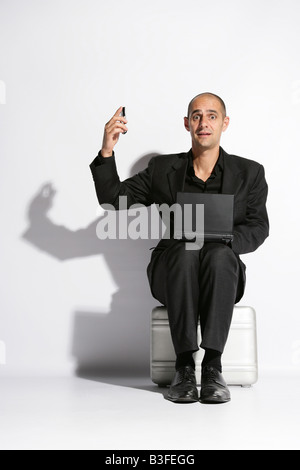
(165, 176)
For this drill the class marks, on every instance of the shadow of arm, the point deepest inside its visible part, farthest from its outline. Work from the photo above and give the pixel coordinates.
(57, 240)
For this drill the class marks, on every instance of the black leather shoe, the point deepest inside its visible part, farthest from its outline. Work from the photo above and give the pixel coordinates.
(213, 387)
(183, 389)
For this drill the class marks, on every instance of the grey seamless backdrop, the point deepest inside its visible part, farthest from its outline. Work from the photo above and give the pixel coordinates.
(69, 301)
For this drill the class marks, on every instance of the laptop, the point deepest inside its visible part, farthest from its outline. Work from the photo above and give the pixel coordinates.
(217, 217)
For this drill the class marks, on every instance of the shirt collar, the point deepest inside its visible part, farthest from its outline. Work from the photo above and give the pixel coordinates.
(218, 166)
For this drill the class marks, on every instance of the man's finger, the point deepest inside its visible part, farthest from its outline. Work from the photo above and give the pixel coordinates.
(114, 122)
(119, 128)
(117, 119)
(118, 112)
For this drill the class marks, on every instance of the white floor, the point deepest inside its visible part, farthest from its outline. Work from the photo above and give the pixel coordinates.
(66, 413)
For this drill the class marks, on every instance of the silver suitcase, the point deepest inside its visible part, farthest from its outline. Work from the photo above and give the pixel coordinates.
(239, 360)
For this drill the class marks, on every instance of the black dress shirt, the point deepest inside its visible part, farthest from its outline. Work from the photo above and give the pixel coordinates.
(213, 184)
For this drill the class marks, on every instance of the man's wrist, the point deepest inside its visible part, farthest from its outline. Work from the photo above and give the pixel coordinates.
(106, 153)
(101, 159)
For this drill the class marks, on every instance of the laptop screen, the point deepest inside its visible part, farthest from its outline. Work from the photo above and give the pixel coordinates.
(218, 215)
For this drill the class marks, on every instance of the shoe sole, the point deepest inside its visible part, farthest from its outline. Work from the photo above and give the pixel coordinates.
(182, 400)
(214, 401)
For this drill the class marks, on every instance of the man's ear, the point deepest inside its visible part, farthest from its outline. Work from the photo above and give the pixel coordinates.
(225, 123)
(186, 124)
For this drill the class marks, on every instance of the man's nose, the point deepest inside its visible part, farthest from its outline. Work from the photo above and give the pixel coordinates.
(202, 122)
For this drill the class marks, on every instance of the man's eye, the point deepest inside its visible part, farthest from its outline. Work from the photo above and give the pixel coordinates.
(213, 116)
(196, 117)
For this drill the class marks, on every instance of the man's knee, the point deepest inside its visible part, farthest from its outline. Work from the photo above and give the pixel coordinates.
(219, 255)
(179, 255)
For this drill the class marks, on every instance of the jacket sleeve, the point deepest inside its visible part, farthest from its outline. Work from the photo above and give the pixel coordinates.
(109, 188)
(249, 235)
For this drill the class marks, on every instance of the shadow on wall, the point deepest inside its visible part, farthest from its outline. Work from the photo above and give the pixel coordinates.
(114, 344)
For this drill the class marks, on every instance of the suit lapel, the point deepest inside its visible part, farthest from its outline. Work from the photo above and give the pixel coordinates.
(233, 179)
(176, 176)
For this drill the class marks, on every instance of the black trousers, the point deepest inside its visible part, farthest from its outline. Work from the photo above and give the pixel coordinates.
(201, 283)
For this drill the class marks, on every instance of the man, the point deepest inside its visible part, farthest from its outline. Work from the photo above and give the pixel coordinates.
(203, 283)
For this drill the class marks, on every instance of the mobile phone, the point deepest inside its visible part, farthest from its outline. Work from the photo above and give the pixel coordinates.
(123, 115)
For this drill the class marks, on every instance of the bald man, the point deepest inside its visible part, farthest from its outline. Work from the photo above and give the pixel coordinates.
(200, 284)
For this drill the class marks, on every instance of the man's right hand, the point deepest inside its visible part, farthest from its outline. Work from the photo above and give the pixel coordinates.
(112, 131)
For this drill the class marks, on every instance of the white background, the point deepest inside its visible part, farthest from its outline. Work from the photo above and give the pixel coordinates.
(68, 299)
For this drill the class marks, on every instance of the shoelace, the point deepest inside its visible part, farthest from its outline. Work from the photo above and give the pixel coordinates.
(185, 375)
(210, 375)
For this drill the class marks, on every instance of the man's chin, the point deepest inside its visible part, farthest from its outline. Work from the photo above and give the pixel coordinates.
(205, 145)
